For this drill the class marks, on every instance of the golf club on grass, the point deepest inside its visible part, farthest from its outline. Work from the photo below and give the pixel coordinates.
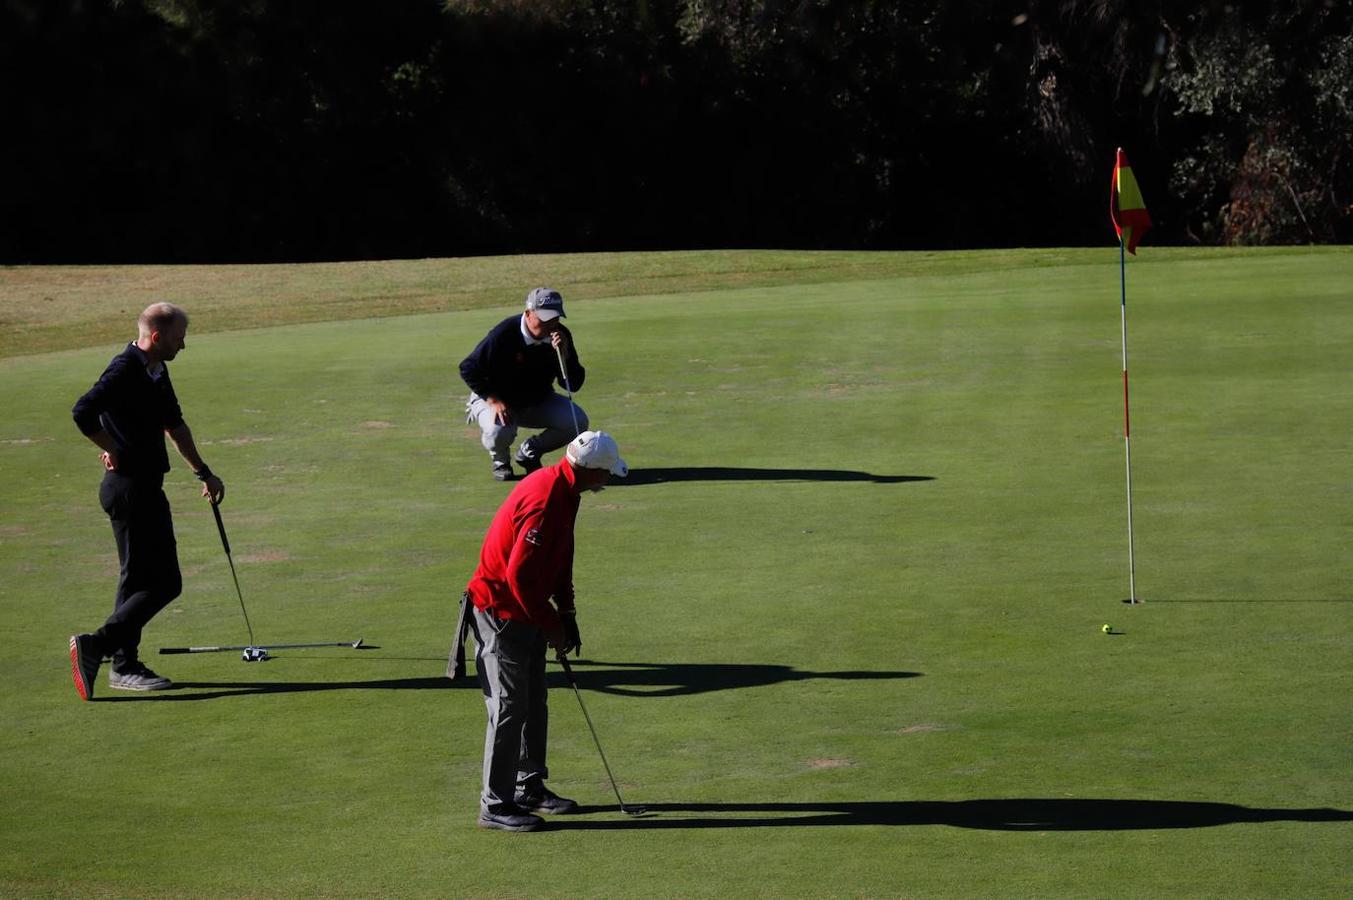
(253, 652)
(563, 371)
(263, 650)
(568, 670)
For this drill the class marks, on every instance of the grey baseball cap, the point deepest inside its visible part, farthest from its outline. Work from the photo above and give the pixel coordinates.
(547, 303)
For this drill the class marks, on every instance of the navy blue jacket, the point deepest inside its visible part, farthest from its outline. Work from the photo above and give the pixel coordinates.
(503, 366)
(134, 409)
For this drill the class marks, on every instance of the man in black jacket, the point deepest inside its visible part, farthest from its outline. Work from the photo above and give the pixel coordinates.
(127, 414)
(511, 375)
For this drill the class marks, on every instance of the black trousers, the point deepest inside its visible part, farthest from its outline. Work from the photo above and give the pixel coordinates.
(144, 530)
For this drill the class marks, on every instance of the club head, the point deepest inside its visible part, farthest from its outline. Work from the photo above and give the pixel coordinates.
(632, 810)
(255, 654)
(357, 644)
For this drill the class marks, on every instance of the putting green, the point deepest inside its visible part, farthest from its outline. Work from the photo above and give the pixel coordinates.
(841, 632)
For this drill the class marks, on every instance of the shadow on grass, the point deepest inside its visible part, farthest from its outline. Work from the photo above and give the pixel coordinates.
(721, 473)
(212, 690)
(625, 679)
(990, 815)
(680, 679)
(1255, 600)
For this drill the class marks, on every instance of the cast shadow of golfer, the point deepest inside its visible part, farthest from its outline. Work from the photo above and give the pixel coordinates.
(990, 815)
(682, 679)
(721, 473)
(213, 690)
(625, 679)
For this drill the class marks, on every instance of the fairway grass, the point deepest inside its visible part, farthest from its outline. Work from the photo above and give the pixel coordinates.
(841, 629)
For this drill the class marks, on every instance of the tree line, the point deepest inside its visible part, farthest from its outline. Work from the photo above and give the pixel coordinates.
(287, 130)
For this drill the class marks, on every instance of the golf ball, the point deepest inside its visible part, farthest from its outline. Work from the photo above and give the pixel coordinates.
(1107, 629)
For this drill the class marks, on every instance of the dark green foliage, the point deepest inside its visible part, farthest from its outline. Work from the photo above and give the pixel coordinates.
(1272, 91)
(187, 130)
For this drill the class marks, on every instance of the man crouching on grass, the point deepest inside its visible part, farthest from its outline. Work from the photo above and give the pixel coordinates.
(527, 558)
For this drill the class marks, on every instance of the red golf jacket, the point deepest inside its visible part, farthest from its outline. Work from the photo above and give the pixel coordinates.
(527, 556)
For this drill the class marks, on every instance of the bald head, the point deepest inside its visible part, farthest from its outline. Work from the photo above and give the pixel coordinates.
(158, 317)
(162, 328)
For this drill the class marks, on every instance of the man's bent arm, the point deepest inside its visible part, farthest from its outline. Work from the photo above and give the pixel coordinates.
(529, 584)
(104, 441)
(182, 436)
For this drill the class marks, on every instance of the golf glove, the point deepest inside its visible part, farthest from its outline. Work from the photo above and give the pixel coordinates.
(572, 638)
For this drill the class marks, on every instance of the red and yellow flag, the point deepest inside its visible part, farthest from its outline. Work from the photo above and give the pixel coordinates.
(1126, 207)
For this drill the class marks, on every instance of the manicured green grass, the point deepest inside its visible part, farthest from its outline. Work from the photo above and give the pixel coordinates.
(62, 307)
(842, 633)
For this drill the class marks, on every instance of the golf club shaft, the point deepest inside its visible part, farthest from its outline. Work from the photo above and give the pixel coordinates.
(225, 542)
(563, 371)
(568, 670)
(352, 644)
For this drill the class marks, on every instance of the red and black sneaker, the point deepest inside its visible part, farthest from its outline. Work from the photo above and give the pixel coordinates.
(84, 664)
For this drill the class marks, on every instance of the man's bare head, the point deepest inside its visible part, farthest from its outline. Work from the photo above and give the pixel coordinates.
(162, 329)
(158, 317)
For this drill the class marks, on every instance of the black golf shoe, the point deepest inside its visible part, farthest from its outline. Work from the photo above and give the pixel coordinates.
(527, 458)
(509, 820)
(84, 664)
(502, 472)
(547, 802)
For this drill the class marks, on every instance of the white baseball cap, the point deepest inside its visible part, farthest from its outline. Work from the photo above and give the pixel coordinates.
(597, 450)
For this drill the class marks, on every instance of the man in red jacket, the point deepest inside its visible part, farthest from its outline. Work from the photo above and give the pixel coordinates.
(526, 560)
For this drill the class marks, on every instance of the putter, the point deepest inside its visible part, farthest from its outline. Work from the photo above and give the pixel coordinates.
(568, 670)
(225, 542)
(563, 371)
(259, 653)
(252, 652)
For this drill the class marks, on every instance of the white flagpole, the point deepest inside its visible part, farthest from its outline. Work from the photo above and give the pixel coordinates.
(1127, 431)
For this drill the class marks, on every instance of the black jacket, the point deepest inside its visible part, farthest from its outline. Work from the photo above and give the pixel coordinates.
(134, 409)
(503, 366)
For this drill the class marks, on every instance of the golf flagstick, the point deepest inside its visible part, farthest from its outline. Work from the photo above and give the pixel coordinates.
(1130, 219)
(1127, 430)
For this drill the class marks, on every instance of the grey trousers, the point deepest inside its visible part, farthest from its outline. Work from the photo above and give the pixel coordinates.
(552, 414)
(510, 659)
